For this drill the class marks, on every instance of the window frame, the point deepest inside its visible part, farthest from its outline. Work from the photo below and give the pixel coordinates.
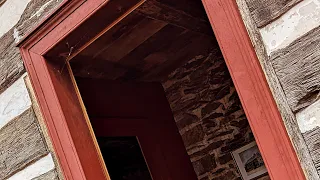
(245, 69)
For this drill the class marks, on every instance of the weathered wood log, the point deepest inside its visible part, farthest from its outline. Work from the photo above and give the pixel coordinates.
(21, 143)
(11, 64)
(265, 11)
(279, 95)
(2, 2)
(298, 69)
(51, 175)
(312, 139)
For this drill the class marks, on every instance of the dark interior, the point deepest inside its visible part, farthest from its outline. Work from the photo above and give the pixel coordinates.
(145, 46)
(139, 109)
(124, 158)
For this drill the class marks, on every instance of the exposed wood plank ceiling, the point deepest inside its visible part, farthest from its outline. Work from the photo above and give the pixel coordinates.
(149, 43)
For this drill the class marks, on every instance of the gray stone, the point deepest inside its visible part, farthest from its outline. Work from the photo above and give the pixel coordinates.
(225, 158)
(209, 108)
(193, 136)
(205, 164)
(187, 120)
(208, 113)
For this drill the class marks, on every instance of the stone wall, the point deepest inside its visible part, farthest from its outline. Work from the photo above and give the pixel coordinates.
(285, 34)
(209, 115)
(25, 150)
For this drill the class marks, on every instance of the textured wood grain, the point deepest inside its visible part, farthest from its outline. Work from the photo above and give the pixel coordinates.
(92, 28)
(10, 60)
(140, 48)
(279, 95)
(265, 11)
(20, 144)
(51, 175)
(170, 14)
(298, 69)
(128, 42)
(313, 141)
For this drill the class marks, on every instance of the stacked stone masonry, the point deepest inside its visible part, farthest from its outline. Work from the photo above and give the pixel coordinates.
(209, 115)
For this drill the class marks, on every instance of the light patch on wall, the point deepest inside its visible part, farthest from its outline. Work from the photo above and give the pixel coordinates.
(299, 20)
(16, 35)
(309, 118)
(10, 13)
(14, 101)
(36, 169)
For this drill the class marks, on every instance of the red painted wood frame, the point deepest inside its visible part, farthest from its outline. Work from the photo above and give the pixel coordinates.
(80, 162)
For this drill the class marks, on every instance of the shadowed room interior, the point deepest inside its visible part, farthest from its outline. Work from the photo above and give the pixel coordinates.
(161, 62)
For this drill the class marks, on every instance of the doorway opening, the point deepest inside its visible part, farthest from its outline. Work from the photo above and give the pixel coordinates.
(75, 25)
(163, 78)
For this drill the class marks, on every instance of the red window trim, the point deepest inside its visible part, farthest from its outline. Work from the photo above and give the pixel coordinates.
(247, 74)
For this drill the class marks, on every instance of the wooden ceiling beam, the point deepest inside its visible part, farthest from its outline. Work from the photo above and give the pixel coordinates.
(156, 10)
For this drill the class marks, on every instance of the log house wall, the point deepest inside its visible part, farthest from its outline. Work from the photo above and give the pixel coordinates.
(285, 35)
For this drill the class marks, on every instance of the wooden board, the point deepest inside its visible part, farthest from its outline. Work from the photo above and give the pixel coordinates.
(88, 30)
(128, 42)
(167, 12)
(265, 11)
(21, 143)
(191, 7)
(140, 53)
(76, 121)
(138, 44)
(118, 30)
(157, 11)
(161, 39)
(185, 47)
(86, 64)
(298, 69)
